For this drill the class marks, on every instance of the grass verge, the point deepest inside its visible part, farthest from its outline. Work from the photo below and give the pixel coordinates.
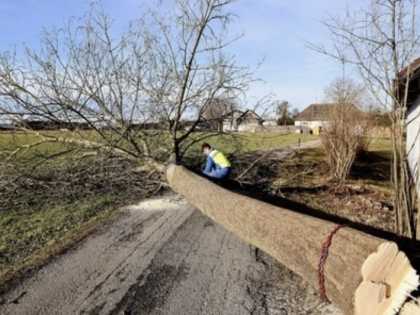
(31, 239)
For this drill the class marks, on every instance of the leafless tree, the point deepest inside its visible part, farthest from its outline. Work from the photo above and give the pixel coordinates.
(282, 113)
(161, 74)
(295, 113)
(191, 69)
(346, 133)
(345, 91)
(218, 110)
(382, 41)
(81, 76)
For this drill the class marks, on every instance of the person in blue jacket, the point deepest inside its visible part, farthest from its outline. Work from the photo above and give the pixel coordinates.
(217, 165)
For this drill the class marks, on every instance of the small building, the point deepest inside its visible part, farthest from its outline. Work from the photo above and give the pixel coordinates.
(6, 123)
(52, 125)
(270, 123)
(230, 122)
(413, 119)
(5, 126)
(243, 121)
(316, 117)
(413, 139)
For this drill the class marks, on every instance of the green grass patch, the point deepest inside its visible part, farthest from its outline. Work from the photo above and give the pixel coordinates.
(29, 239)
(240, 143)
(373, 167)
(381, 146)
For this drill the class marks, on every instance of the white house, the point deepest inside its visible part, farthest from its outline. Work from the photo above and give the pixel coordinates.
(413, 119)
(316, 116)
(6, 125)
(313, 116)
(413, 139)
(247, 121)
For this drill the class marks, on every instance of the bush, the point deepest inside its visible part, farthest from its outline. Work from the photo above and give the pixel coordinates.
(345, 136)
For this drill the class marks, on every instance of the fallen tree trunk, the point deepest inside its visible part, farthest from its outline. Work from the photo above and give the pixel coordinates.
(360, 273)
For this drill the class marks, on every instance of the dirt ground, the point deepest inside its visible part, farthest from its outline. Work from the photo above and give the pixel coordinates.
(299, 181)
(163, 257)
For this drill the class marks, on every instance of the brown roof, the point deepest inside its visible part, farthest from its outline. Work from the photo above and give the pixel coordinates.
(318, 112)
(414, 67)
(250, 115)
(413, 89)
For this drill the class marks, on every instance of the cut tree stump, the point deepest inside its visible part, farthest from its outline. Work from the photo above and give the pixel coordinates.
(360, 273)
(411, 308)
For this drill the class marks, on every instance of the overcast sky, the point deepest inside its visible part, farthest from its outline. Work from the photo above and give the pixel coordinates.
(274, 31)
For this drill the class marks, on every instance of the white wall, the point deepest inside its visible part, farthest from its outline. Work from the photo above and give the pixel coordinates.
(228, 126)
(244, 127)
(413, 140)
(270, 123)
(311, 124)
(249, 127)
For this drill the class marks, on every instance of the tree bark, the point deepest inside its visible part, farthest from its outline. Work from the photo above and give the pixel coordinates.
(418, 215)
(296, 240)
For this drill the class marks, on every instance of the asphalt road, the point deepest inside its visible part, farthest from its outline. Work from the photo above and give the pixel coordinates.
(163, 257)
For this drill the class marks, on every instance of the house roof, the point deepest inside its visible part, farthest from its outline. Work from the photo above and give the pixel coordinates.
(250, 114)
(414, 67)
(243, 115)
(6, 126)
(318, 112)
(413, 89)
